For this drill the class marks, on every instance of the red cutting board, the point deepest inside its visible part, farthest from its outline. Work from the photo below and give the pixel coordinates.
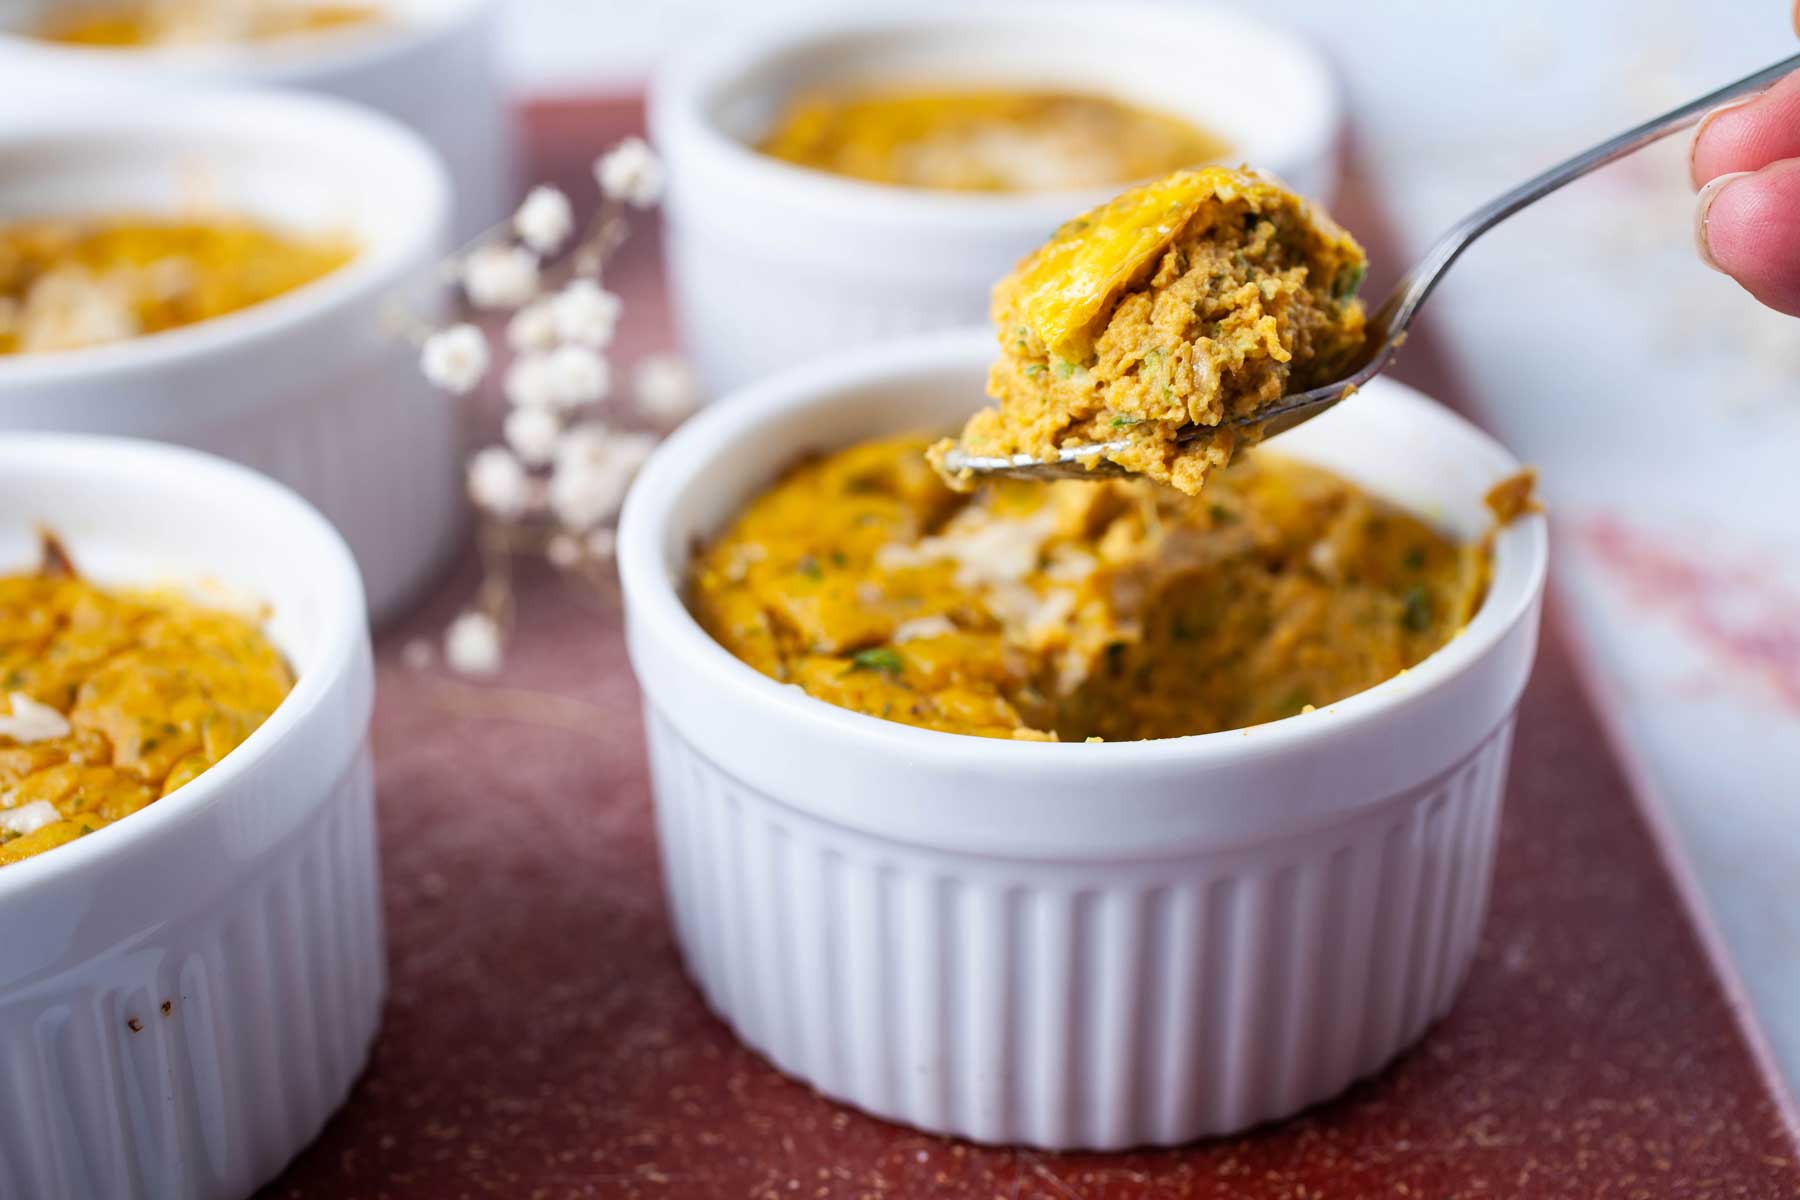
(541, 1039)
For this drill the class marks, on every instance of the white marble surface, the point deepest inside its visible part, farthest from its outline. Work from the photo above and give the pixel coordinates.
(1662, 405)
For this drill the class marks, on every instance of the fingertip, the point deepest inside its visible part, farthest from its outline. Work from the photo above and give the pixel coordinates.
(1703, 215)
(1748, 133)
(1748, 226)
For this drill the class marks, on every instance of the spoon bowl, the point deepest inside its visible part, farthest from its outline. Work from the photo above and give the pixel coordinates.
(1386, 330)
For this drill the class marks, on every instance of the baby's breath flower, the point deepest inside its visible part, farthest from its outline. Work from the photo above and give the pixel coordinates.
(532, 433)
(665, 389)
(594, 466)
(497, 482)
(602, 542)
(472, 644)
(546, 219)
(500, 276)
(563, 551)
(582, 498)
(631, 172)
(532, 327)
(586, 314)
(530, 382)
(594, 445)
(580, 376)
(417, 654)
(455, 359)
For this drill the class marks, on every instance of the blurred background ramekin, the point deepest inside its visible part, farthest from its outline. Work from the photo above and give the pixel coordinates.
(430, 64)
(772, 264)
(188, 993)
(314, 387)
(1071, 946)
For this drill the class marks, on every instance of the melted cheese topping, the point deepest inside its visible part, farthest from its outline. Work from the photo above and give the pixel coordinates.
(147, 23)
(67, 283)
(110, 700)
(986, 141)
(1077, 610)
(1196, 300)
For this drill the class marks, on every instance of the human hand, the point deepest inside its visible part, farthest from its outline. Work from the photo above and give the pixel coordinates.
(1746, 162)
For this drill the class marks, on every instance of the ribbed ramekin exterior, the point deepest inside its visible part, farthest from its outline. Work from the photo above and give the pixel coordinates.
(196, 1059)
(1078, 1005)
(379, 454)
(807, 310)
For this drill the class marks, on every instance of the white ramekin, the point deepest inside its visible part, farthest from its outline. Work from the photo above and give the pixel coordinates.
(1071, 946)
(433, 67)
(187, 994)
(774, 264)
(315, 387)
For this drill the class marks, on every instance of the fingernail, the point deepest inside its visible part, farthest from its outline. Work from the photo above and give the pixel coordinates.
(1709, 118)
(1702, 207)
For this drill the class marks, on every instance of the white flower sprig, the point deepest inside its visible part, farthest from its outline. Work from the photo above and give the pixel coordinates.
(554, 485)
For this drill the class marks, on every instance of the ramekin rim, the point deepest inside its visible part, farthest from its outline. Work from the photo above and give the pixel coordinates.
(675, 114)
(342, 630)
(1520, 550)
(371, 270)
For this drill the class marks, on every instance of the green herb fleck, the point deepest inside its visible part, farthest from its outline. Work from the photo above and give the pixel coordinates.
(1348, 281)
(1222, 515)
(881, 658)
(809, 567)
(1065, 368)
(1153, 359)
(1124, 420)
(1033, 370)
(1415, 558)
(147, 745)
(1415, 614)
(839, 559)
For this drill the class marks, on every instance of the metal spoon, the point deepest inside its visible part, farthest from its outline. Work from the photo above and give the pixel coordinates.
(1387, 326)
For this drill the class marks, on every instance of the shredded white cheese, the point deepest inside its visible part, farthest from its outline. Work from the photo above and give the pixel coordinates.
(29, 818)
(986, 551)
(923, 627)
(31, 721)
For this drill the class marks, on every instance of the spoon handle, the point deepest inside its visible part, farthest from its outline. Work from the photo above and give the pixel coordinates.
(1412, 290)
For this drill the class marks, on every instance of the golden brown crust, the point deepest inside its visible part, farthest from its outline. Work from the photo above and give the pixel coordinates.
(110, 700)
(1196, 300)
(1118, 609)
(985, 141)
